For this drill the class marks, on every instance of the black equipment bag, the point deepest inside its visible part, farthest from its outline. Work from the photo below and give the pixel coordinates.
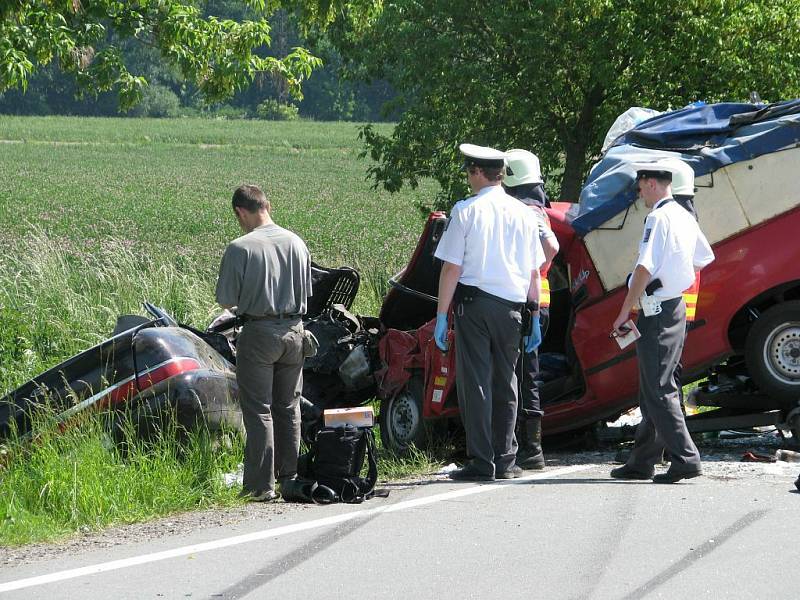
(334, 464)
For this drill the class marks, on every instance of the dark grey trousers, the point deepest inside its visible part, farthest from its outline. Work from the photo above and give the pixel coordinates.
(663, 424)
(487, 348)
(269, 371)
(530, 403)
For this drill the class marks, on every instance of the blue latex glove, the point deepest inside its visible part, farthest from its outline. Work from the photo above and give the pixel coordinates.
(440, 332)
(534, 338)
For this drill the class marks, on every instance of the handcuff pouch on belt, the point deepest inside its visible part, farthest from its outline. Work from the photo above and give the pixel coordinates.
(651, 306)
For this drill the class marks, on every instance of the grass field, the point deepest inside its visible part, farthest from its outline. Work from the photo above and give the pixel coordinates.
(76, 191)
(98, 215)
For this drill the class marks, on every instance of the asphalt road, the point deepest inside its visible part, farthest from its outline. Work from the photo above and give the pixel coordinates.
(569, 532)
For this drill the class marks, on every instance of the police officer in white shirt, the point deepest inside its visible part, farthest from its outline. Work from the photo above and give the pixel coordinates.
(491, 257)
(672, 249)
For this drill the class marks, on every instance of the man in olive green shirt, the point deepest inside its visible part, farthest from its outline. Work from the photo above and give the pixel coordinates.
(265, 277)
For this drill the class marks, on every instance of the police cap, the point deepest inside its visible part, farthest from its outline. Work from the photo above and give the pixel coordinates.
(654, 174)
(481, 156)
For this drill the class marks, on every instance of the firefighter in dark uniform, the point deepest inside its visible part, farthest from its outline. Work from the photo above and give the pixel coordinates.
(523, 180)
(672, 250)
(491, 258)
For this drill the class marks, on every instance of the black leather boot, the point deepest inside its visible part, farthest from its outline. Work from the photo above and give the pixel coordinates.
(530, 456)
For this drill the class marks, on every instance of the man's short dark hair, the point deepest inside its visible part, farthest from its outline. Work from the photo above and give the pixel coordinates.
(491, 173)
(662, 177)
(250, 198)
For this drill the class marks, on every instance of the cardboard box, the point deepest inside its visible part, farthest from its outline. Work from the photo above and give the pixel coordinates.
(361, 416)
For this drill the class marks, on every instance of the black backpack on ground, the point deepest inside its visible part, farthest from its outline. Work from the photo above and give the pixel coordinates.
(331, 470)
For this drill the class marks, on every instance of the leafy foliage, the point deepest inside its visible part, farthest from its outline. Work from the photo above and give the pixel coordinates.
(219, 55)
(158, 101)
(327, 94)
(272, 110)
(551, 76)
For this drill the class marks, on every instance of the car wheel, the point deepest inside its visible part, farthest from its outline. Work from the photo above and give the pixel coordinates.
(401, 418)
(772, 351)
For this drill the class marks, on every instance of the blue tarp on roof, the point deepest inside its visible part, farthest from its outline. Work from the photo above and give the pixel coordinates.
(706, 137)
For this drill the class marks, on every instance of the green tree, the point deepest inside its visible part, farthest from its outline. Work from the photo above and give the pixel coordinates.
(219, 55)
(551, 75)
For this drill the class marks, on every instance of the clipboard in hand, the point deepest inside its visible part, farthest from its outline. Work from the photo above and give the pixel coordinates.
(625, 340)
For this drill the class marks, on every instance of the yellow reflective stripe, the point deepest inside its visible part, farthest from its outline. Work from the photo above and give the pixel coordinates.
(544, 296)
(690, 298)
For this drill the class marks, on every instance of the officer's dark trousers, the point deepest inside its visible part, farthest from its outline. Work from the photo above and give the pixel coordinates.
(663, 425)
(530, 404)
(487, 348)
(269, 372)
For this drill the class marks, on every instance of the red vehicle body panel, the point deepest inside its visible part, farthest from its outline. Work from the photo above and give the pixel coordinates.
(746, 265)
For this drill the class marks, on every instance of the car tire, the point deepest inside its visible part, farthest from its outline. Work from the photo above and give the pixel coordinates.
(772, 352)
(401, 421)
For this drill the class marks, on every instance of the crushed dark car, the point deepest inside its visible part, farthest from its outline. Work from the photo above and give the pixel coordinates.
(147, 364)
(152, 366)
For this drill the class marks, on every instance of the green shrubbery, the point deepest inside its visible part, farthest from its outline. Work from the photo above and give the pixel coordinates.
(272, 110)
(226, 111)
(158, 101)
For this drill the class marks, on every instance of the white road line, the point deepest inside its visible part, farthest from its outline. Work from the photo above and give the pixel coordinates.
(277, 531)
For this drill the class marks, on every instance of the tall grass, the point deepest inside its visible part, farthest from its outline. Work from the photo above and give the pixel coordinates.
(77, 479)
(57, 299)
(415, 462)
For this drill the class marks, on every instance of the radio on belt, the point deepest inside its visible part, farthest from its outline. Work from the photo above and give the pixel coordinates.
(360, 416)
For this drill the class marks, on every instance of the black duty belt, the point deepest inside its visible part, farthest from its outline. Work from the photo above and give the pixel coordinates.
(278, 317)
(465, 293)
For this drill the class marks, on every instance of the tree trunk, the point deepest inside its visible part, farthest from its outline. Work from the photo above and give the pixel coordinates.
(280, 44)
(572, 182)
(576, 146)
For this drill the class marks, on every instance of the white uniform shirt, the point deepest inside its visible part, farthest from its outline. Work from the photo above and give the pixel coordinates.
(494, 238)
(672, 248)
